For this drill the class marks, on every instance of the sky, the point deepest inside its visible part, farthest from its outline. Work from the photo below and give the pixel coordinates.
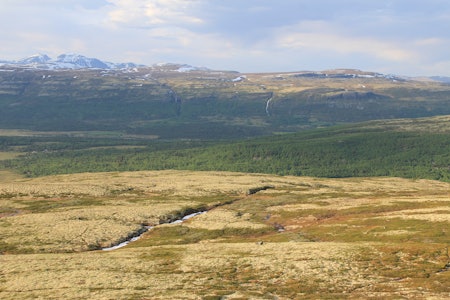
(402, 37)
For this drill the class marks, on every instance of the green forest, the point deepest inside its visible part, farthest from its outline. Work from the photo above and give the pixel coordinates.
(340, 151)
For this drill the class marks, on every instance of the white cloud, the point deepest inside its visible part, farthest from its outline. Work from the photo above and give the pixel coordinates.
(141, 13)
(431, 41)
(404, 36)
(55, 4)
(321, 36)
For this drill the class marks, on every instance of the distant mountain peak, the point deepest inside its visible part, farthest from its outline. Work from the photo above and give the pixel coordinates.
(35, 59)
(77, 61)
(66, 61)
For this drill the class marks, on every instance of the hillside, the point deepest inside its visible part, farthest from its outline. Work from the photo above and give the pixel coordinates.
(411, 148)
(177, 101)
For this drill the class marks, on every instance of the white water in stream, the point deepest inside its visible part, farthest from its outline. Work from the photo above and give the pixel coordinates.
(147, 228)
(268, 106)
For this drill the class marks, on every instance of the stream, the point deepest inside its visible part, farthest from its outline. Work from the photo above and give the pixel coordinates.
(147, 228)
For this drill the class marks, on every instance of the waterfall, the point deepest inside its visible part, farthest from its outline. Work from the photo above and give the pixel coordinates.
(268, 104)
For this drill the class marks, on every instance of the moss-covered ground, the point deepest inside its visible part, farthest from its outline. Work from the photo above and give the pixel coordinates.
(303, 238)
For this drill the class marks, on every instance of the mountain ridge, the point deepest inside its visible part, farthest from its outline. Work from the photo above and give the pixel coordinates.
(180, 101)
(72, 61)
(75, 61)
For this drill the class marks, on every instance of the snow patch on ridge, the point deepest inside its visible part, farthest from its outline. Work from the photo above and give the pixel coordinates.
(66, 61)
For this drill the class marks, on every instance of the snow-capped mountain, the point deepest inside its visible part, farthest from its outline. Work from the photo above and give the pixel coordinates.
(76, 61)
(35, 59)
(66, 61)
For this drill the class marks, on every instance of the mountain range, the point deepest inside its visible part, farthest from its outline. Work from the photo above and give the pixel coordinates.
(74, 61)
(65, 61)
(73, 93)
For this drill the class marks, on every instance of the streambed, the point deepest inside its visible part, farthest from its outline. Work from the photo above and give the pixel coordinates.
(147, 228)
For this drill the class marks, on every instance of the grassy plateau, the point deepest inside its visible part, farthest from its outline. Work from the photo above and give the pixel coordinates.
(301, 237)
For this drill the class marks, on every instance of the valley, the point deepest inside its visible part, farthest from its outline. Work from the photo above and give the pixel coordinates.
(314, 185)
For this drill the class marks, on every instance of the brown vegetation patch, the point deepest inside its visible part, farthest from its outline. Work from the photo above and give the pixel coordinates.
(305, 238)
(219, 219)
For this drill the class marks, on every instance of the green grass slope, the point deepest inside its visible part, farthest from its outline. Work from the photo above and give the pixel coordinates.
(405, 148)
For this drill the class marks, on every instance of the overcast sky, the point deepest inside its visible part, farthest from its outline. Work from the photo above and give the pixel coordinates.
(404, 37)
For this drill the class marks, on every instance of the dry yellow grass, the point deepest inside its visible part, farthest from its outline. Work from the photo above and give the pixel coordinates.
(8, 176)
(8, 155)
(220, 218)
(80, 228)
(78, 212)
(183, 183)
(196, 271)
(438, 124)
(341, 238)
